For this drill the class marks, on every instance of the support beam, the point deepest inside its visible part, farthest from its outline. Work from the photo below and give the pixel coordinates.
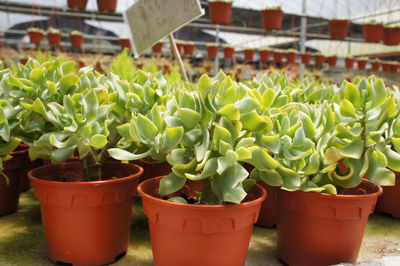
(303, 35)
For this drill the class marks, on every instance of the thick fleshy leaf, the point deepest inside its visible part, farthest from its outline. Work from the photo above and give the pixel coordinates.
(228, 186)
(210, 169)
(147, 129)
(353, 149)
(231, 111)
(271, 142)
(269, 176)
(378, 93)
(91, 104)
(63, 154)
(174, 135)
(347, 109)
(98, 141)
(123, 155)
(221, 133)
(332, 155)
(171, 184)
(68, 80)
(262, 160)
(189, 117)
(253, 122)
(352, 94)
(182, 169)
(203, 147)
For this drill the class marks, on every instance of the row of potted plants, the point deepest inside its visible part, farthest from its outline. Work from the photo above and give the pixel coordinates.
(54, 36)
(314, 143)
(103, 5)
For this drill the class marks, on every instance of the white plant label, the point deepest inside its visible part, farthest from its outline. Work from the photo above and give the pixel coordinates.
(151, 20)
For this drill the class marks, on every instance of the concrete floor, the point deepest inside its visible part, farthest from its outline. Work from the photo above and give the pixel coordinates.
(22, 240)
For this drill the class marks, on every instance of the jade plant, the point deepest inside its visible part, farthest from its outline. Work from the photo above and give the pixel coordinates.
(273, 7)
(34, 29)
(53, 30)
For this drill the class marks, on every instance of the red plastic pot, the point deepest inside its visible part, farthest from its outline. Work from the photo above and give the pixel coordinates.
(305, 58)
(228, 52)
(386, 67)
(388, 203)
(349, 62)
(319, 60)
(179, 47)
(321, 229)
(54, 38)
(35, 37)
(338, 29)
(107, 5)
(372, 32)
(188, 49)
(375, 66)
(201, 234)
(264, 55)
(13, 169)
(332, 60)
(85, 223)
(76, 40)
(125, 43)
(272, 19)
(391, 36)
(24, 61)
(278, 56)
(394, 68)
(248, 54)
(361, 64)
(212, 51)
(152, 169)
(157, 48)
(268, 211)
(290, 57)
(79, 4)
(220, 12)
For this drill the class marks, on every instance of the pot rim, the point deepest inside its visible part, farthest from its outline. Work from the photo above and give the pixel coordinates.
(86, 183)
(251, 203)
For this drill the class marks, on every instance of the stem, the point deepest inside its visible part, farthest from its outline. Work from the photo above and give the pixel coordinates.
(208, 196)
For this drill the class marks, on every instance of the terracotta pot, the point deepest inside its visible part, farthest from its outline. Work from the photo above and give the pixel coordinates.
(212, 51)
(152, 169)
(228, 52)
(372, 32)
(394, 68)
(54, 38)
(338, 29)
(375, 66)
(305, 58)
(321, 229)
(319, 60)
(388, 203)
(35, 37)
(13, 169)
(386, 67)
(268, 211)
(264, 55)
(76, 40)
(290, 57)
(361, 64)
(248, 54)
(391, 36)
(107, 5)
(349, 62)
(188, 49)
(125, 43)
(278, 56)
(179, 47)
(220, 12)
(272, 19)
(201, 234)
(157, 48)
(79, 4)
(85, 223)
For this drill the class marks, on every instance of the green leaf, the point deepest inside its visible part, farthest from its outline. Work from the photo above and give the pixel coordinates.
(291, 179)
(146, 128)
(178, 200)
(123, 155)
(182, 169)
(353, 149)
(268, 176)
(189, 117)
(210, 169)
(91, 105)
(253, 122)
(203, 147)
(171, 184)
(352, 94)
(36, 75)
(98, 141)
(378, 93)
(228, 186)
(268, 98)
(69, 80)
(61, 155)
(329, 189)
(221, 133)
(231, 111)
(262, 160)
(332, 155)
(271, 142)
(243, 153)
(347, 109)
(174, 136)
(68, 67)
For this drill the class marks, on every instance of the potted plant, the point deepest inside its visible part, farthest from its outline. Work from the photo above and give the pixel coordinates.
(278, 56)
(157, 48)
(209, 120)
(391, 34)
(372, 31)
(248, 54)
(228, 51)
(394, 67)
(107, 5)
(91, 200)
(361, 63)
(188, 48)
(125, 43)
(332, 60)
(212, 50)
(375, 64)
(76, 39)
(338, 28)
(272, 17)
(79, 4)
(319, 60)
(264, 54)
(35, 35)
(386, 66)
(305, 58)
(349, 62)
(291, 55)
(350, 145)
(220, 11)
(54, 36)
